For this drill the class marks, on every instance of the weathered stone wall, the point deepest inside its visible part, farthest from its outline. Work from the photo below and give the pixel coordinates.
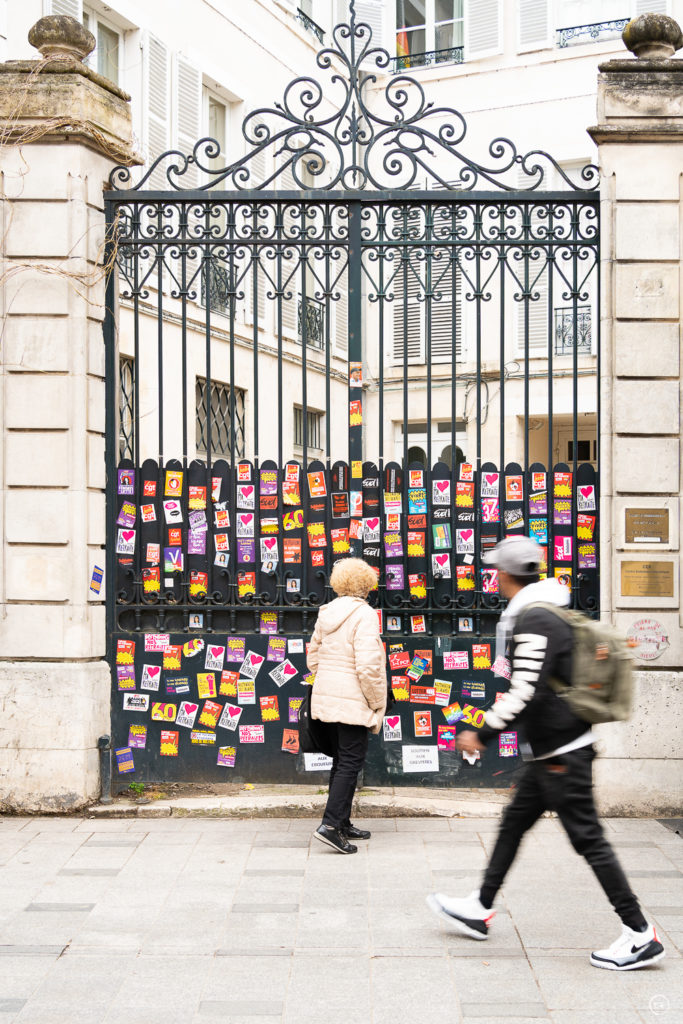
(640, 139)
(63, 130)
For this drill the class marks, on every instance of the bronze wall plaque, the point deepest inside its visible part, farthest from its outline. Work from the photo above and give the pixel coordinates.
(647, 579)
(647, 525)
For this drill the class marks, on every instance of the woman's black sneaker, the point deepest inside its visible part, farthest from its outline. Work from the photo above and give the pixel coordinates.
(334, 838)
(351, 832)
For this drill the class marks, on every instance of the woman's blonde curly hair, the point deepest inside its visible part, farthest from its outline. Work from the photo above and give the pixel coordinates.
(352, 577)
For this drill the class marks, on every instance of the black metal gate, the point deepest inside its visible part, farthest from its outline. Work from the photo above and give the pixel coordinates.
(356, 339)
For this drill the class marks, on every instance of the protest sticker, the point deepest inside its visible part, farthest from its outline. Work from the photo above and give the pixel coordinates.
(230, 717)
(392, 728)
(187, 712)
(252, 734)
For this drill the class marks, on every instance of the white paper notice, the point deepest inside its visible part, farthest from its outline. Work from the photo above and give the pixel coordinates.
(420, 759)
(317, 762)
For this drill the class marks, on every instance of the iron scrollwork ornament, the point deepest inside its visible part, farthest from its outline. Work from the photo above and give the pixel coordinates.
(351, 136)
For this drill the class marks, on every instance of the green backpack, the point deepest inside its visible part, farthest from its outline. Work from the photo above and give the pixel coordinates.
(601, 689)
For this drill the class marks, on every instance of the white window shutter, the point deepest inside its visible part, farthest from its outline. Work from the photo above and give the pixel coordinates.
(157, 105)
(483, 28)
(372, 13)
(290, 268)
(533, 25)
(651, 7)
(409, 312)
(187, 112)
(258, 169)
(340, 312)
(449, 307)
(73, 8)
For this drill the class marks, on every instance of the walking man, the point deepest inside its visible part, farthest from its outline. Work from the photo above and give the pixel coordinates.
(559, 746)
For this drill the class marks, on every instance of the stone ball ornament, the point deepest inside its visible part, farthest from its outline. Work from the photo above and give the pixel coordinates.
(653, 37)
(60, 35)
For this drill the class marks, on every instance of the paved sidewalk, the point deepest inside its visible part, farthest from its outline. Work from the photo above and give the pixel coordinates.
(249, 922)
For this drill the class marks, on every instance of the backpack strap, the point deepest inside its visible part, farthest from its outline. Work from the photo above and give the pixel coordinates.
(561, 613)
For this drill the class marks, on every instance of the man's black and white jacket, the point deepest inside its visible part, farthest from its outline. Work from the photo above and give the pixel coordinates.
(540, 646)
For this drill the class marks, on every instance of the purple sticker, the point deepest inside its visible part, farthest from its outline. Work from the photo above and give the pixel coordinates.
(393, 545)
(562, 512)
(126, 677)
(538, 504)
(587, 556)
(126, 481)
(235, 650)
(246, 550)
(268, 481)
(395, 577)
(196, 543)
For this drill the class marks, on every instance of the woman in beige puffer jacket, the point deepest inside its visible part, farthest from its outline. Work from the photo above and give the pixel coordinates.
(349, 692)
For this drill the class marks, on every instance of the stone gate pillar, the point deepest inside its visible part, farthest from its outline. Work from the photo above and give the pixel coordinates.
(640, 142)
(63, 129)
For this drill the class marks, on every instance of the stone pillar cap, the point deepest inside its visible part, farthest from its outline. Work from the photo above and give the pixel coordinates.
(60, 35)
(652, 36)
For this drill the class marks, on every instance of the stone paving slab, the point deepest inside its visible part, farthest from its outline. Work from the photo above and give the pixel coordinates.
(184, 921)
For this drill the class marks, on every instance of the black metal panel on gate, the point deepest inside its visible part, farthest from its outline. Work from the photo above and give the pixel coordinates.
(336, 344)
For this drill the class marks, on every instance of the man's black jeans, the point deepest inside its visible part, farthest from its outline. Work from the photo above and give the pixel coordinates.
(564, 784)
(350, 743)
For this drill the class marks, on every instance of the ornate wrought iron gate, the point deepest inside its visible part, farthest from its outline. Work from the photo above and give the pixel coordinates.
(350, 340)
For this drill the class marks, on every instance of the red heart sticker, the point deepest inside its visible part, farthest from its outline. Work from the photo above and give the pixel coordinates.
(270, 543)
(153, 670)
(442, 485)
(586, 491)
(255, 659)
(393, 721)
(217, 652)
(247, 491)
(441, 559)
(127, 534)
(372, 523)
(466, 534)
(234, 712)
(190, 708)
(247, 518)
(491, 478)
(289, 670)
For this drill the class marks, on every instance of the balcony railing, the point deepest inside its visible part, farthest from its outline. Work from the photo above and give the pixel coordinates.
(310, 25)
(564, 330)
(601, 29)
(315, 323)
(453, 55)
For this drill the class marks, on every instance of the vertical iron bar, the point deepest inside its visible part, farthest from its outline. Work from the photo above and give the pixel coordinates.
(575, 394)
(527, 312)
(355, 348)
(160, 336)
(255, 325)
(110, 435)
(184, 233)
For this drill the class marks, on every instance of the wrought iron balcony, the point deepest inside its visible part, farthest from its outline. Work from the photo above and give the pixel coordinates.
(310, 25)
(565, 36)
(315, 323)
(564, 330)
(453, 55)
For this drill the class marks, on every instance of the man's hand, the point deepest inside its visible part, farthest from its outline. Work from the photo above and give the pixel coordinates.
(468, 742)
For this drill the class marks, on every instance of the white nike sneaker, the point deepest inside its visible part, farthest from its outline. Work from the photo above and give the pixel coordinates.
(466, 915)
(630, 951)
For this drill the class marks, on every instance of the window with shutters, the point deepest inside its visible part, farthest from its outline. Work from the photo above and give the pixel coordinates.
(107, 57)
(589, 21)
(428, 32)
